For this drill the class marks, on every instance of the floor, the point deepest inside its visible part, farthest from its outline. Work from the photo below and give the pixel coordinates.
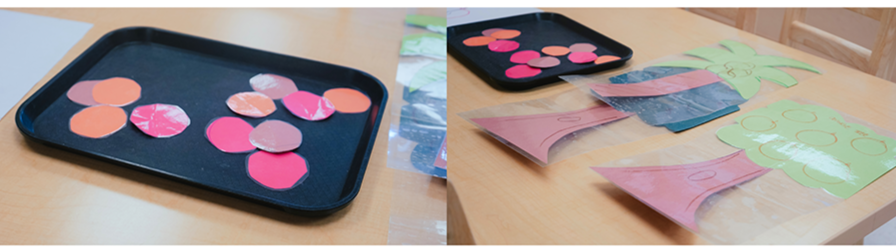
(884, 235)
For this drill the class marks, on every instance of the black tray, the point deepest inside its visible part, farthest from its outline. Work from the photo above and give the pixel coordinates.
(199, 75)
(538, 30)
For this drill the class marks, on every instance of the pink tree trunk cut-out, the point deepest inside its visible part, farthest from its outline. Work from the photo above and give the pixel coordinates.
(536, 133)
(677, 190)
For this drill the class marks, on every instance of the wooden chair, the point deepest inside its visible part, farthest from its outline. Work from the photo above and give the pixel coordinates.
(744, 18)
(880, 60)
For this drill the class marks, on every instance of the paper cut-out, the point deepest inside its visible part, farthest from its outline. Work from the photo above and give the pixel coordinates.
(741, 67)
(160, 120)
(277, 171)
(677, 190)
(82, 93)
(433, 23)
(276, 136)
(555, 50)
(308, 106)
(442, 155)
(433, 72)
(503, 45)
(660, 86)
(536, 133)
(478, 41)
(251, 104)
(426, 44)
(98, 121)
(544, 62)
(230, 134)
(524, 56)
(606, 59)
(489, 32)
(581, 57)
(522, 71)
(675, 107)
(116, 91)
(273, 86)
(505, 34)
(693, 122)
(348, 100)
(813, 145)
(582, 47)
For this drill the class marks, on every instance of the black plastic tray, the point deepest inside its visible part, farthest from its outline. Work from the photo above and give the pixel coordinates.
(538, 30)
(199, 75)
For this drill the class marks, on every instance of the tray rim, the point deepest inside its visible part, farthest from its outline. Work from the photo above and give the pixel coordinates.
(302, 210)
(532, 84)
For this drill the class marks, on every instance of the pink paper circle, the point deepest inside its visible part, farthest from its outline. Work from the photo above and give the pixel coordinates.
(308, 106)
(503, 45)
(276, 136)
(273, 86)
(524, 56)
(522, 71)
(82, 93)
(277, 171)
(230, 134)
(582, 57)
(489, 32)
(582, 47)
(160, 120)
(544, 62)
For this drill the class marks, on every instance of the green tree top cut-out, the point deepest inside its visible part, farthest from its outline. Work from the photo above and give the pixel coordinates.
(741, 67)
(813, 145)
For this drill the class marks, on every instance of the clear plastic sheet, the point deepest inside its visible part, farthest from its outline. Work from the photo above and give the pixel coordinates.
(573, 141)
(737, 215)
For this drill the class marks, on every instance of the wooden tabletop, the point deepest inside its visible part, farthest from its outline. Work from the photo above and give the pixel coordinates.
(49, 196)
(507, 199)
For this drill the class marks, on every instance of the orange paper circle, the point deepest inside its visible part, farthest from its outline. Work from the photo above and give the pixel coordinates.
(251, 104)
(348, 100)
(116, 91)
(98, 121)
(606, 59)
(478, 41)
(555, 50)
(506, 34)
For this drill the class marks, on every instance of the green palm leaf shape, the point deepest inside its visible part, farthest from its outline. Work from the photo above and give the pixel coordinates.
(437, 24)
(741, 67)
(426, 44)
(429, 74)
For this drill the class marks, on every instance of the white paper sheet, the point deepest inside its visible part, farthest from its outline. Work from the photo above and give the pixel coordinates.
(30, 45)
(458, 16)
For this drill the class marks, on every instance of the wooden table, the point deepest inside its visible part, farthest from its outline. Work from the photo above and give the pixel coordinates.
(49, 196)
(507, 199)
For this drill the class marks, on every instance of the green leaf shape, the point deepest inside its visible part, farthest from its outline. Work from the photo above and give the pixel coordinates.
(777, 61)
(746, 86)
(428, 74)
(775, 75)
(685, 64)
(437, 24)
(424, 44)
(712, 54)
(739, 49)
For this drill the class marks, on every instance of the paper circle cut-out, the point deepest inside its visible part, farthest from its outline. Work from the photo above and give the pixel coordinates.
(605, 59)
(544, 62)
(273, 86)
(555, 50)
(160, 120)
(505, 34)
(276, 136)
(277, 171)
(308, 106)
(582, 47)
(98, 121)
(348, 100)
(524, 56)
(522, 71)
(230, 134)
(82, 93)
(503, 46)
(116, 91)
(478, 41)
(582, 57)
(489, 32)
(251, 104)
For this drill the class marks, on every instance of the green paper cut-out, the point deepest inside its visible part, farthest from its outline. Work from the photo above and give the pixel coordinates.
(424, 44)
(741, 67)
(436, 24)
(813, 145)
(429, 74)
